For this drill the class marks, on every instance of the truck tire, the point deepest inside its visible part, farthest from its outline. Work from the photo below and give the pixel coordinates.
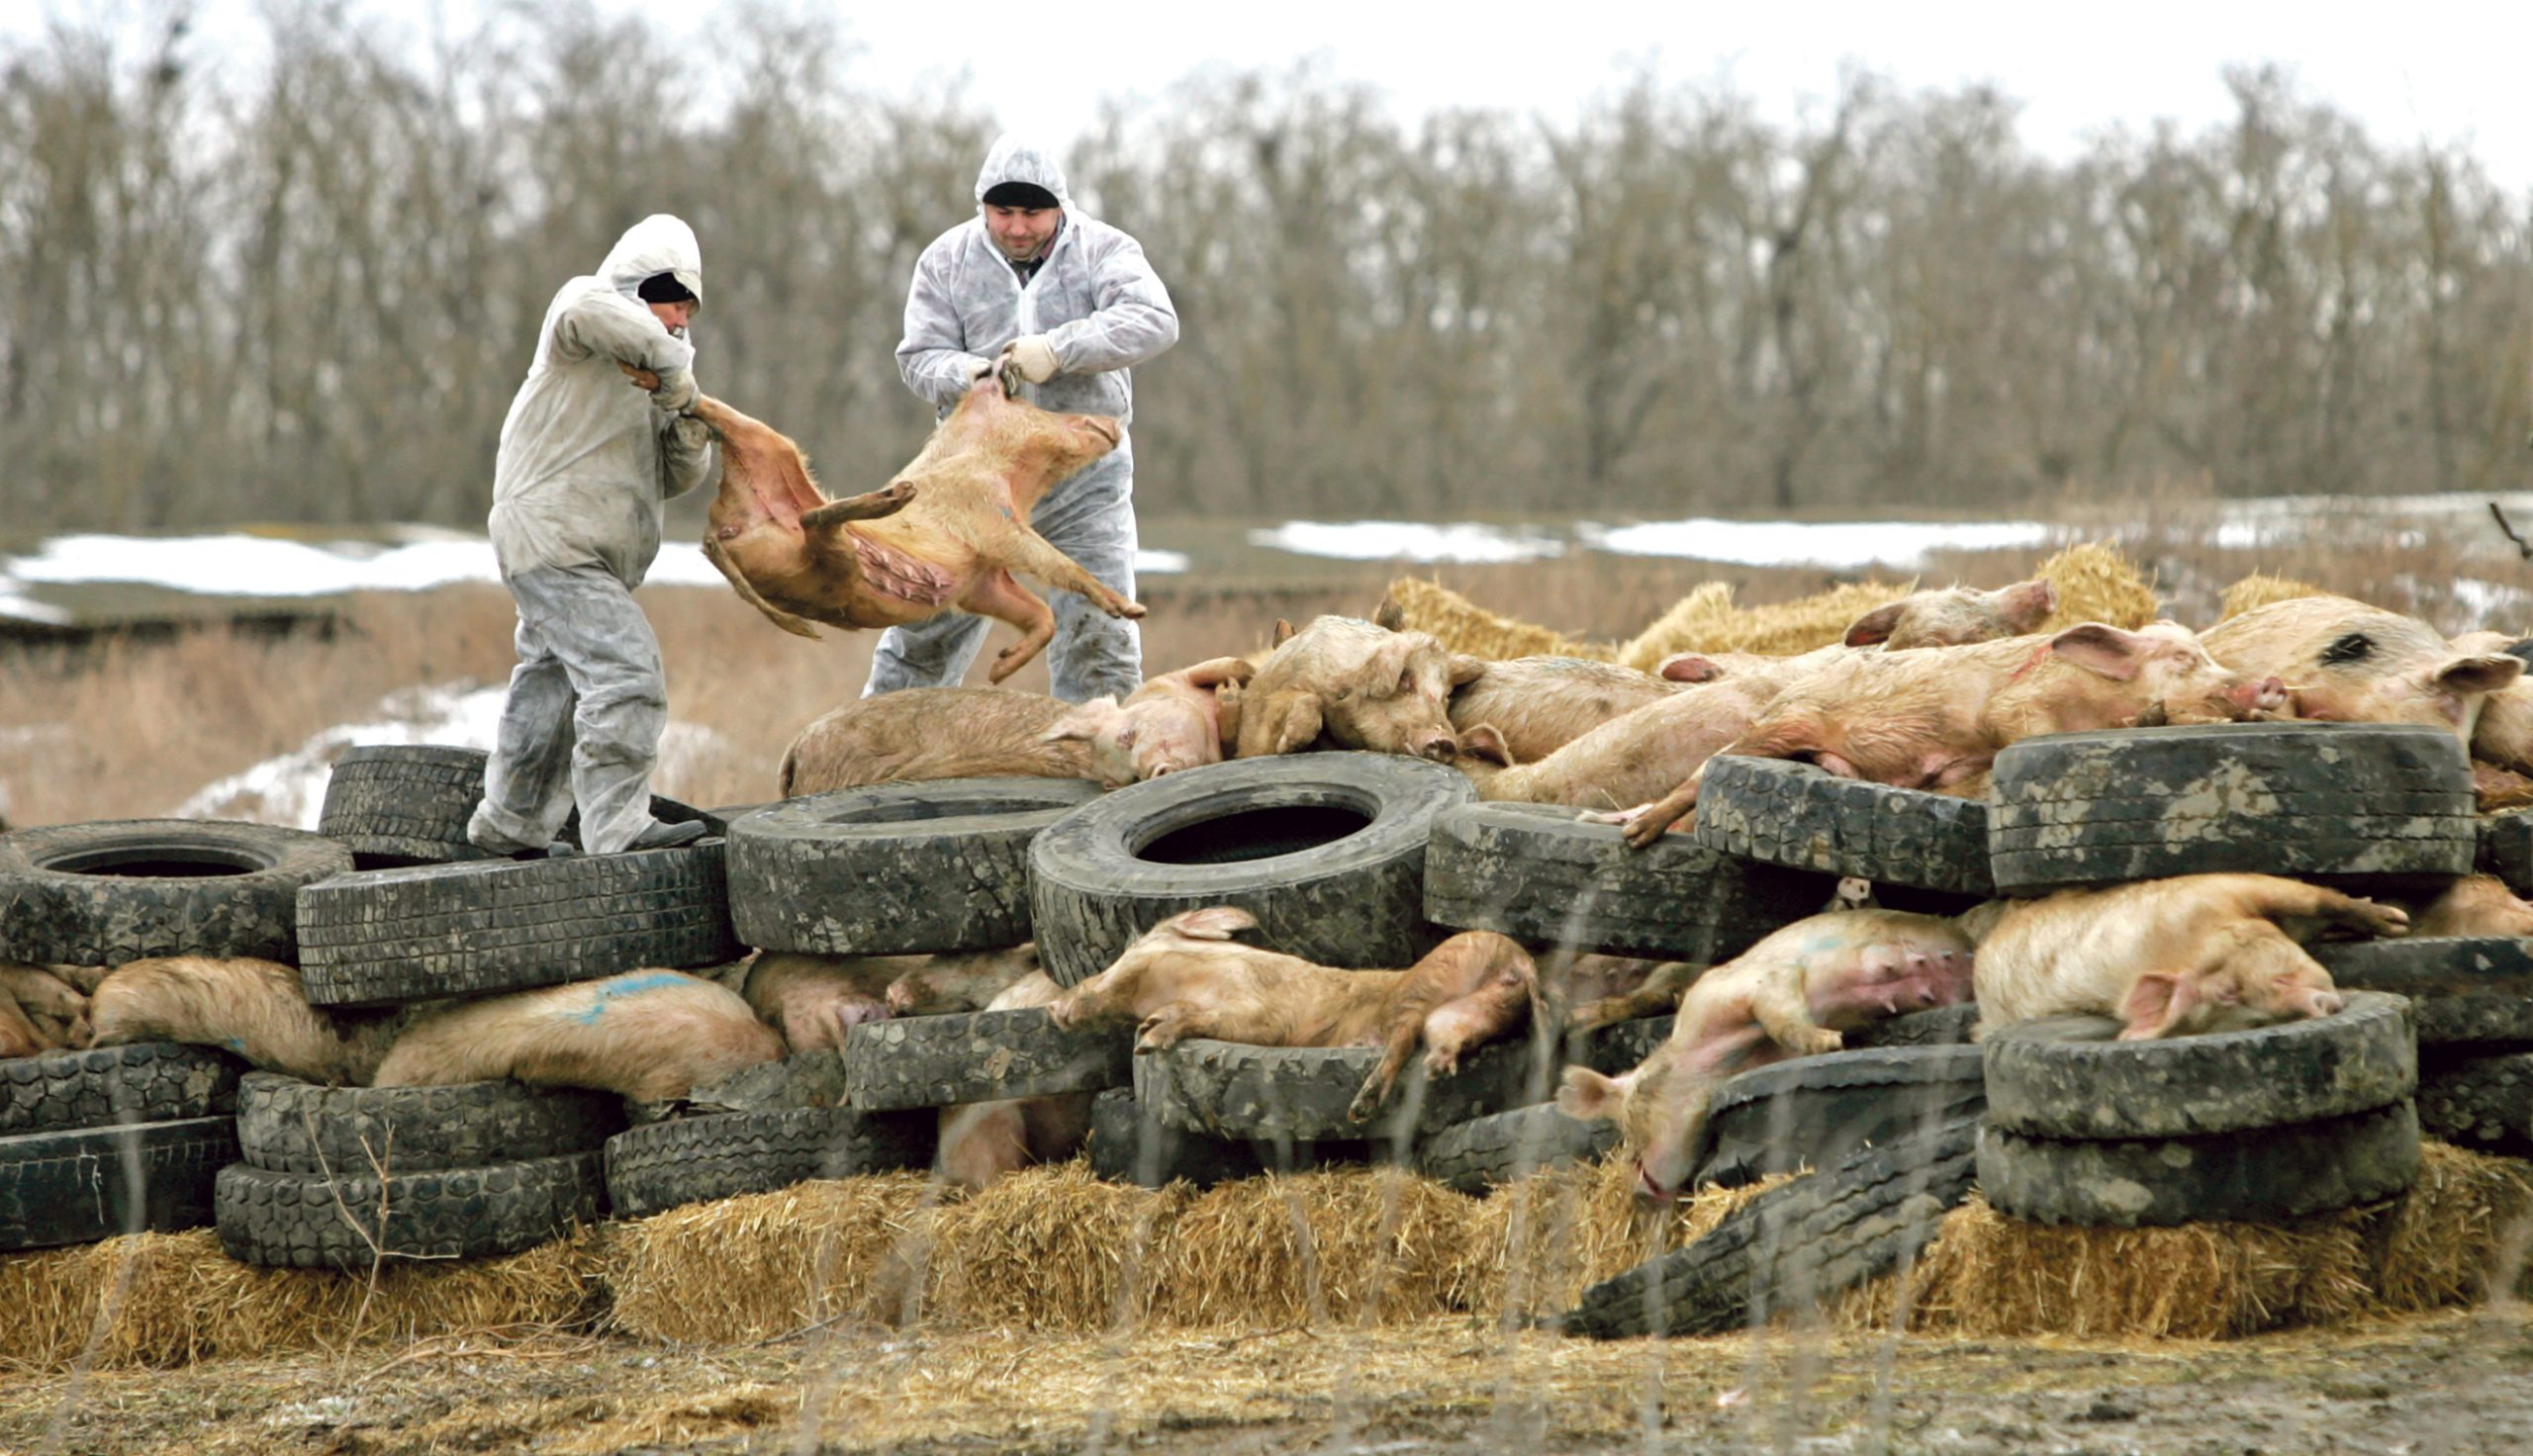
(122, 889)
(111, 1086)
(2357, 803)
(1229, 1089)
(1475, 1157)
(2482, 1102)
(980, 1056)
(1129, 1144)
(287, 1126)
(395, 805)
(1536, 873)
(2066, 1076)
(299, 1220)
(2260, 1175)
(697, 1160)
(2464, 991)
(1814, 1112)
(78, 1187)
(1782, 812)
(389, 935)
(894, 869)
(1326, 849)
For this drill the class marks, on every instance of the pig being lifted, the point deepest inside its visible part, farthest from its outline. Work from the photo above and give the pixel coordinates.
(948, 532)
(2349, 663)
(1345, 683)
(1938, 715)
(1790, 995)
(2196, 952)
(1186, 978)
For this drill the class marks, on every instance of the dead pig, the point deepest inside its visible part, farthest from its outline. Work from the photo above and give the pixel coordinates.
(814, 1000)
(947, 533)
(253, 1008)
(1790, 995)
(962, 981)
(921, 734)
(1186, 978)
(2473, 905)
(652, 1036)
(980, 1142)
(1938, 715)
(1629, 758)
(1178, 720)
(2349, 663)
(2192, 954)
(1345, 683)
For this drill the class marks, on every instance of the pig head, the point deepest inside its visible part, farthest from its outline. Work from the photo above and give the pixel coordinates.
(1345, 683)
(1955, 617)
(1178, 720)
(947, 533)
(2346, 661)
(2504, 734)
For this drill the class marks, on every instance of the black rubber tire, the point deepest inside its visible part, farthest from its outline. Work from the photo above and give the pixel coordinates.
(1475, 1157)
(894, 869)
(802, 1080)
(2507, 848)
(2482, 1102)
(1943, 1026)
(1326, 849)
(1619, 1046)
(407, 804)
(2065, 1076)
(287, 1126)
(2260, 1175)
(1782, 812)
(78, 1187)
(1815, 1112)
(112, 1086)
(2362, 804)
(1791, 1246)
(1536, 873)
(699, 1159)
(1229, 1089)
(389, 935)
(2464, 991)
(121, 889)
(298, 1220)
(1129, 1144)
(981, 1057)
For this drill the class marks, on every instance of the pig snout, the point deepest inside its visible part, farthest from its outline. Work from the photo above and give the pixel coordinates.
(2320, 1003)
(2268, 695)
(1441, 747)
(1648, 1191)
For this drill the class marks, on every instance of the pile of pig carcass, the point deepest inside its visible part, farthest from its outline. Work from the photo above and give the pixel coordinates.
(1205, 1050)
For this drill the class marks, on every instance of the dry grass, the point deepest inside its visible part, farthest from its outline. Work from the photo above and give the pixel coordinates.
(2259, 590)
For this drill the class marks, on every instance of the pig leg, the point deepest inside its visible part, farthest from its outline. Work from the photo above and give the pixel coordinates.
(1485, 1015)
(1171, 1024)
(1031, 553)
(995, 594)
(2288, 900)
(869, 505)
(17, 1034)
(1499, 978)
(1779, 1006)
(797, 626)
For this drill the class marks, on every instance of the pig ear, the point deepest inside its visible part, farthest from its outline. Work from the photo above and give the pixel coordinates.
(1214, 671)
(1084, 722)
(2101, 649)
(1278, 723)
(1466, 670)
(1484, 741)
(1213, 923)
(2470, 675)
(1876, 625)
(1391, 614)
(1283, 632)
(1689, 667)
(2156, 1004)
(1587, 1096)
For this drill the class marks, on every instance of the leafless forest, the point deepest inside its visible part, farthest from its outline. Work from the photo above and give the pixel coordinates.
(305, 293)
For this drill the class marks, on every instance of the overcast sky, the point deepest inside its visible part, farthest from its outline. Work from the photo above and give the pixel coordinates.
(2422, 71)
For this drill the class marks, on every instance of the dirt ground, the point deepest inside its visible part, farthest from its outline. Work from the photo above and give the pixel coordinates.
(2460, 1383)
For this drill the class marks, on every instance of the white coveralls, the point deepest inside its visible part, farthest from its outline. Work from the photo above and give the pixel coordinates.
(586, 461)
(1103, 310)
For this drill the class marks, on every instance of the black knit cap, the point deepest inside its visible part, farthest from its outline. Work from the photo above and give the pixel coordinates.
(1019, 194)
(663, 288)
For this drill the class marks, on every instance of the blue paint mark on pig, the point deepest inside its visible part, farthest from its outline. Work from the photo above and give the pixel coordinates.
(621, 987)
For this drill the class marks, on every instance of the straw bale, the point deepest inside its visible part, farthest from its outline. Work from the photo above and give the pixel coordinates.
(1706, 620)
(1351, 1246)
(766, 1264)
(1464, 626)
(171, 1299)
(2464, 1222)
(1538, 1242)
(2096, 583)
(1052, 1248)
(2257, 591)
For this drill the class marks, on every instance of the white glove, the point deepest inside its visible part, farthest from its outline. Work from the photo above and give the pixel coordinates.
(677, 392)
(1033, 356)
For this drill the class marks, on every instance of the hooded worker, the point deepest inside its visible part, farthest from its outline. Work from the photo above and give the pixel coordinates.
(1071, 303)
(587, 460)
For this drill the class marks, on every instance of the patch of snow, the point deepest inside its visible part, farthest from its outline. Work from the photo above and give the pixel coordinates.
(1160, 563)
(1838, 544)
(290, 789)
(256, 566)
(27, 609)
(1420, 541)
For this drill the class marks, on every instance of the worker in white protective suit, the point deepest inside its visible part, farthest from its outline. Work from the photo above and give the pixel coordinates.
(587, 459)
(1072, 305)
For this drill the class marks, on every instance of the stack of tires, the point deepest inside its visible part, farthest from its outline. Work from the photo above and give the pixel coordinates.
(341, 1177)
(117, 1139)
